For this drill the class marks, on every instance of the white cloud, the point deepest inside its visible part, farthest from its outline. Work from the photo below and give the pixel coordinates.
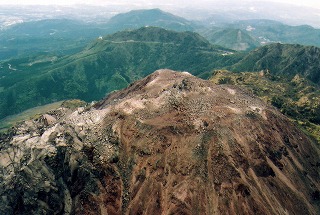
(311, 3)
(253, 9)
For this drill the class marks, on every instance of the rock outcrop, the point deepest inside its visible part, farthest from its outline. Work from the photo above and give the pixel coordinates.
(168, 144)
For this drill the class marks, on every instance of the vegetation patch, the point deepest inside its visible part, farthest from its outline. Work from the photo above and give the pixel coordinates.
(297, 97)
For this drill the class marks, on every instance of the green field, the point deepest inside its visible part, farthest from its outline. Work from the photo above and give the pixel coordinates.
(12, 120)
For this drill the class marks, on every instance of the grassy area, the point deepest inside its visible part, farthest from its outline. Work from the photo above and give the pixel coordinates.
(12, 120)
(311, 129)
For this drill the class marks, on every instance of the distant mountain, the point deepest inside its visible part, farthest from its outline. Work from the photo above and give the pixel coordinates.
(108, 64)
(283, 59)
(269, 31)
(222, 12)
(65, 36)
(235, 39)
(153, 17)
(249, 34)
(46, 27)
(54, 36)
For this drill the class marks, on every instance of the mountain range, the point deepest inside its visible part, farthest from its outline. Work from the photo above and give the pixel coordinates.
(107, 64)
(66, 36)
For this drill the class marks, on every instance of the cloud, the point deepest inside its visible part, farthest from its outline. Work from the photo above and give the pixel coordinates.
(253, 9)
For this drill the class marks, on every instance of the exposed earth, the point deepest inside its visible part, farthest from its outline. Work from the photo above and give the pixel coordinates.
(168, 144)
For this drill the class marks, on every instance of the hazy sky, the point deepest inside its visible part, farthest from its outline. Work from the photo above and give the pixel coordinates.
(311, 3)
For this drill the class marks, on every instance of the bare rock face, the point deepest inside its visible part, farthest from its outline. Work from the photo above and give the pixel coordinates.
(168, 144)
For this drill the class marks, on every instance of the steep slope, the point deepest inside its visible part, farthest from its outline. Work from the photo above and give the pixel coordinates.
(235, 39)
(297, 98)
(283, 59)
(152, 17)
(107, 64)
(168, 144)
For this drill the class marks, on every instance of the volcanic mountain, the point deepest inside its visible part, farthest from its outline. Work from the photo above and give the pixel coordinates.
(168, 144)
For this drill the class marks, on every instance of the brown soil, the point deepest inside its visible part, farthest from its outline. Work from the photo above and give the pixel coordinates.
(168, 144)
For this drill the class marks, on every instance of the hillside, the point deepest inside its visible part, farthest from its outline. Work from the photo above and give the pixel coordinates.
(107, 64)
(152, 17)
(283, 59)
(168, 144)
(297, 98)
(235, 39)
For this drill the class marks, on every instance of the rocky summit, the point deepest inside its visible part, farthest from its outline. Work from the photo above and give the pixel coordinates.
(168, 144)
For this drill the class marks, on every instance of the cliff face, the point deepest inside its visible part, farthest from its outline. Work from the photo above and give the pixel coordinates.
(168, 144)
